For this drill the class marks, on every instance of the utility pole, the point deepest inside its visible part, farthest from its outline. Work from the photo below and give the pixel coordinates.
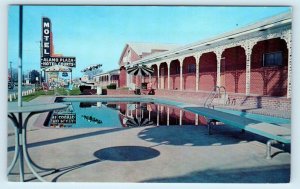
(11, 76)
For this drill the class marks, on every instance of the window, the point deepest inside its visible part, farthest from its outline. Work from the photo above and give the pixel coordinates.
(272, 59)
(191, 68)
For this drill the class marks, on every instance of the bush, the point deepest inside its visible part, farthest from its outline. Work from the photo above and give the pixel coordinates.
(111, 86)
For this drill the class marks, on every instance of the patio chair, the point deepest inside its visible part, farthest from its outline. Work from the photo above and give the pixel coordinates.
(149, 90)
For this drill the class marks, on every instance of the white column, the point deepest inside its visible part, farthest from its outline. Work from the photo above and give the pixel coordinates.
(157, 116)
(149, 116)
(197, 57)
(158, 77)
(180, 117)
(196, 119)
(219, 56)
(181, 77)
(168, 67)
(248, 50)
(288, 39)
(168, 116)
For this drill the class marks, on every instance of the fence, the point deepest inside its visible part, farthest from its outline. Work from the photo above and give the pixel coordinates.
(14, 96)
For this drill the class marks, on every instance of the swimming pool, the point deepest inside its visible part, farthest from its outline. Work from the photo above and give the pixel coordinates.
(133, 112)
(120, 112)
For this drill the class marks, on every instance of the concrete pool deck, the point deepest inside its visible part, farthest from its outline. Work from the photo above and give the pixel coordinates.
(168, 154)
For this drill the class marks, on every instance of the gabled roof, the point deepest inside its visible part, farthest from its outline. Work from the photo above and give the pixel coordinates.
(141, 48)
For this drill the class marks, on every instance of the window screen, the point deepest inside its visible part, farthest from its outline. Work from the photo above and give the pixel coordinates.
(273, 59)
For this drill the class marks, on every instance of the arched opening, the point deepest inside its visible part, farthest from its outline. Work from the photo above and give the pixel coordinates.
(207, 71)
(154, 79)
(189, 73)
(233, 70)
(163, 71)
(175, 75)
(269, 72)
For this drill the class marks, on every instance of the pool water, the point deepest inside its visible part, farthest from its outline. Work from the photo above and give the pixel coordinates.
(93, 113)
(133, 112)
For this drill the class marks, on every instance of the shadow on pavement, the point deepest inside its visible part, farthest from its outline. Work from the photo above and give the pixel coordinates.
(264, 174)
(126, 153)
(68, 138)
(191, 135)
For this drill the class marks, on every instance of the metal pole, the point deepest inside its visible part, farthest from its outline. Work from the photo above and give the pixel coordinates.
(41, 78)
(11, 76)
(20, 56)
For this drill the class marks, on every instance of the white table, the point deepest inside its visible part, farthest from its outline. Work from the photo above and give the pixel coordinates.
(21, 152)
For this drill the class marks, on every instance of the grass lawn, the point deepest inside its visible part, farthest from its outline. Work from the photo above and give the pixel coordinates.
(59, 91)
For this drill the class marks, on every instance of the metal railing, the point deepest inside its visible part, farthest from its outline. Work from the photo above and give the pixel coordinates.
(216, 92)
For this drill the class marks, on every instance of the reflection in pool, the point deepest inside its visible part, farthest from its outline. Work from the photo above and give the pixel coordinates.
(120, 114)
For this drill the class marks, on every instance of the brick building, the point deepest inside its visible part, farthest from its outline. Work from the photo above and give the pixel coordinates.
(253, 63)
(133, 52)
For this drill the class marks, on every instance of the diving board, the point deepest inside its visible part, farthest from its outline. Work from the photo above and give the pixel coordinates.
(274, 132)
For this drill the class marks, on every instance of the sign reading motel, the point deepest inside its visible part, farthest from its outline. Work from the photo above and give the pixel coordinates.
(47, 49)
(46, 25)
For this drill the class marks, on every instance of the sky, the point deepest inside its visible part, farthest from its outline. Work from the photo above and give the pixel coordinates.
(98, 34)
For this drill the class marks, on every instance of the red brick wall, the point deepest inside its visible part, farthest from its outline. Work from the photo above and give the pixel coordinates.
(189, 82)
(207, 71)
(175, 82)
(240, 99)
(268, 80)
(233, 67)
(122, 78)
(119, 92)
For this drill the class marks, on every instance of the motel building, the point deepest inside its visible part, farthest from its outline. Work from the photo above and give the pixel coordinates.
(107, 78)
(253, 63)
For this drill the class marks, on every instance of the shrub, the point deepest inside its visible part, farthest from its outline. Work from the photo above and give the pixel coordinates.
(111, 86)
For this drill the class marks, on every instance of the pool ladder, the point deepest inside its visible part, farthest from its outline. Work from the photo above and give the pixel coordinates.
(219, 92)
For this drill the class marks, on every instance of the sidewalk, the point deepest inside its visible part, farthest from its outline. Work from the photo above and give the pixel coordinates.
(168, 154)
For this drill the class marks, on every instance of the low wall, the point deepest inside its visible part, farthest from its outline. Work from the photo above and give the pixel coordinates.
(119, 92)
(266, 102)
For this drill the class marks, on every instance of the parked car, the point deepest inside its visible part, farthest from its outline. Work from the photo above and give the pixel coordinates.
(11, 85)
